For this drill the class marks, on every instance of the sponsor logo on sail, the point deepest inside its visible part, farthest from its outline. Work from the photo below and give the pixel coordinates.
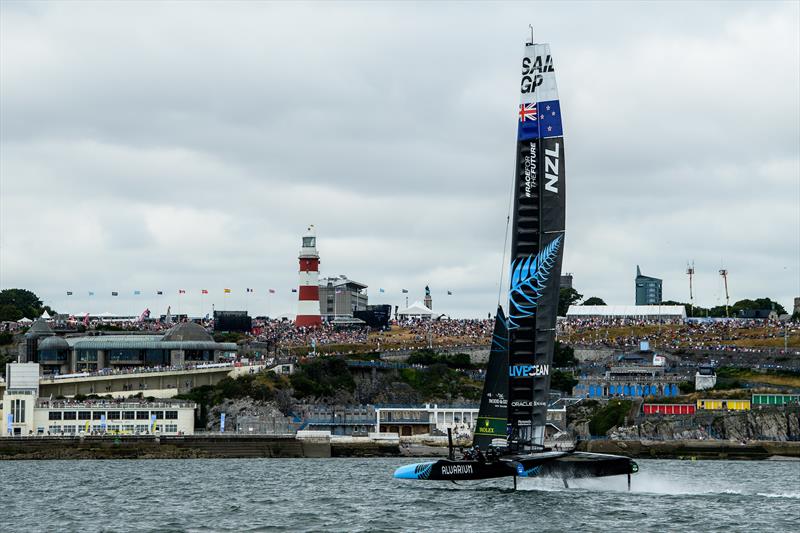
(528, 371)
(530, 170)
(449, 470)
(551, 159)
(526, 403)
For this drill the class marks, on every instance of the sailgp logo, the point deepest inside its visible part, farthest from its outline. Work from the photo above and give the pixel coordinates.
(532, 73)
(528, 371)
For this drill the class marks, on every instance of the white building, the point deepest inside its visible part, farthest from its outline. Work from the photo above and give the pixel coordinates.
(24, 413)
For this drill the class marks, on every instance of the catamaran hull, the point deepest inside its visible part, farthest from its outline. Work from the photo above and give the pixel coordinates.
(559, 465)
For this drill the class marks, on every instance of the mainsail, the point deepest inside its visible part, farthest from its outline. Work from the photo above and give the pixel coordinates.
(537, 245)
(492, 416)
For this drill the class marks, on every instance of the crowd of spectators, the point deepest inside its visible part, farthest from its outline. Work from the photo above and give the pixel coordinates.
(716, 335)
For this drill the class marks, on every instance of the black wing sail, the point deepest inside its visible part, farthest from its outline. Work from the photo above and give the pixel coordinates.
(536, 247)
(492, 416)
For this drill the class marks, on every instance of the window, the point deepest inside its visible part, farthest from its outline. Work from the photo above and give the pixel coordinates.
(70, 415)
(54, 429)
(141, 429)
(69, 430)
(142, 415)
(128, 428)
(128, 415)
(98, 415)
(170, 428)
(158, 414)
(171, 415)
(18, 411)
(113, 415)
(54, 415)
(84, 415)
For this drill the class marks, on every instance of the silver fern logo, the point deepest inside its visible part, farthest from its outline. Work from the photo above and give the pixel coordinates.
(529, 277)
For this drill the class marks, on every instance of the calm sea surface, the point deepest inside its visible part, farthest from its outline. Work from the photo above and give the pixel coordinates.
(361, 495)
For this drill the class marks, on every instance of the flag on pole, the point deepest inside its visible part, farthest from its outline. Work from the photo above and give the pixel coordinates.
(204, 291)
(294, 290)
(137, 293)
(449, 293)
(381, 290)
(181, 291)
(227, 291)
(160, 293)
(405, 291)
(114, 293)
(69, 293)
(91, 293)
(249, 290)
(272, 291)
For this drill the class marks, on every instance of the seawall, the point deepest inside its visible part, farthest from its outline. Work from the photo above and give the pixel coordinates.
(688, 449)
(187, 447)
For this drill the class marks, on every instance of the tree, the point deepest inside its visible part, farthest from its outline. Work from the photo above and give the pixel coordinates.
(563, 355)
(594, 300)
(563, 381)
(566, 297)
(18, 303)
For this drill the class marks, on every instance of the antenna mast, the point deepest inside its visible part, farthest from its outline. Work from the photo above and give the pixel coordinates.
(690, 272)
(531, 27)
(724, 274)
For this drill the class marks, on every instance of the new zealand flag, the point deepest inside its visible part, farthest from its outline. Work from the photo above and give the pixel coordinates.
(547, 122)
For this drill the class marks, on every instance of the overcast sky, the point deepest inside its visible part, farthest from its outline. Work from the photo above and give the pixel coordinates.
(151, 146)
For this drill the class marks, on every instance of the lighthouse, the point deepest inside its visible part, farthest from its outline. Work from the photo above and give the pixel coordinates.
(308, 304)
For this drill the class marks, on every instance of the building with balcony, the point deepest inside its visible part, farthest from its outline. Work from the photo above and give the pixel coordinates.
(648, 289)
(341, 297)
(24, 413)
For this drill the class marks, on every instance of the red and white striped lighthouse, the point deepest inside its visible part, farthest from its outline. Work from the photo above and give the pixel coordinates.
(308, 304)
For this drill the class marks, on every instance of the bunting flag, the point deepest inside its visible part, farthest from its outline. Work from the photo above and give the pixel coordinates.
(137, 293)
(160, 293)
(69, 293)
(381, 290)
(91, 293)
(227, 291)
(181, 291)
(272, 291)
(405, 291)
(204, 291)
(249, 290)
(449, 293)
(114, 293)
(294, 290)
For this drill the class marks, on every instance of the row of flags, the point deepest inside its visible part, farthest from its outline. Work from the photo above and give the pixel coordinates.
(225, 291)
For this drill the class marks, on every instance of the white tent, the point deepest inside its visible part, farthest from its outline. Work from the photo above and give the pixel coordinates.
(626, 311)
(25, 320)
(416, 309)
(46, 315)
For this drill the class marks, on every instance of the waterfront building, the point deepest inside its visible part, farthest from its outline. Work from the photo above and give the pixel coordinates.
(308, 308)
(668, 408)
(705, 378)
(25, 413)
(648, 289)
(185, 343)
(640, 374)
(723, 404)
(775, 399)
(341, 297)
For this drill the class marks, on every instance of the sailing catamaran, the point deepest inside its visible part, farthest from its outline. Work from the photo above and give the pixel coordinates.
(510, 430)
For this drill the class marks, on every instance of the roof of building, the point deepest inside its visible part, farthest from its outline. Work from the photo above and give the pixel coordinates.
(188, 331)
(53, 343)
(633, 311)
(39, 328)
(416, 309)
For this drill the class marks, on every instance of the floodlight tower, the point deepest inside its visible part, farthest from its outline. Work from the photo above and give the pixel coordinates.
(690, 272)
(724, 274)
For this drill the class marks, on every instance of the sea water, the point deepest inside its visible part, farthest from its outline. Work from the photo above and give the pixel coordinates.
(361, 495)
